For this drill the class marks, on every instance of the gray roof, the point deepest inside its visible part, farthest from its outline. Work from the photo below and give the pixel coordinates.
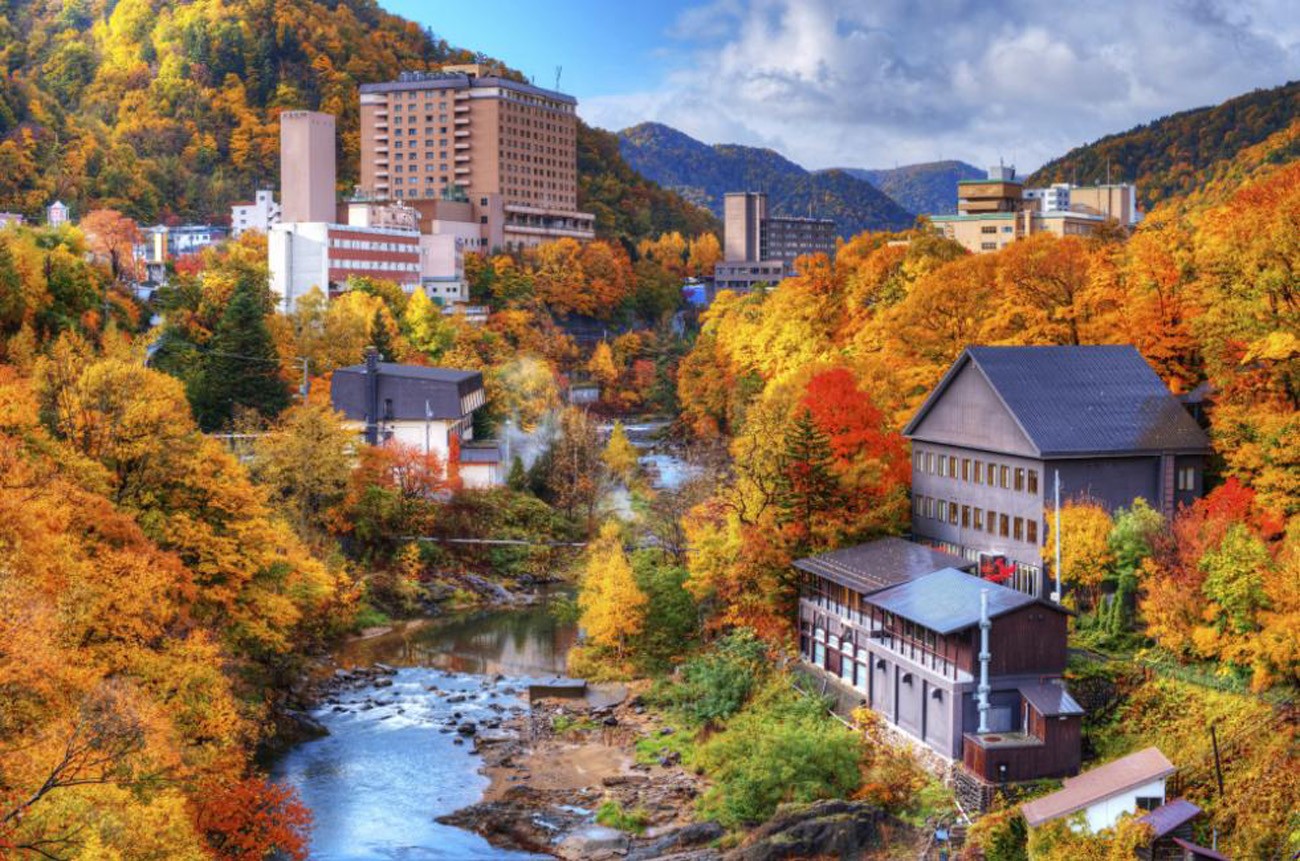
(408, 387)
(879, 564)
(1073, 401)
(1050, 700)
(1168, 817)
(949, 600)
(480, 453)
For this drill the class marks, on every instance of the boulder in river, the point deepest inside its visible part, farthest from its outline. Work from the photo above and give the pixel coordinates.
(467, 728)
(593, 842)
(830, 829)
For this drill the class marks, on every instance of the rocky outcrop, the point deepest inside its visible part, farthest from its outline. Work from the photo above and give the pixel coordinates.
(825, 829)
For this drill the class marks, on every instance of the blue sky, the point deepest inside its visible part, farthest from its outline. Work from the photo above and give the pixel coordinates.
(873, 83)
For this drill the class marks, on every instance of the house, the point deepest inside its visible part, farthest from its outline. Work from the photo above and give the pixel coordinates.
(11, 218)
(1004, 423)
(429, 409)
(261, 213)
(967, 667)
(1126, 785)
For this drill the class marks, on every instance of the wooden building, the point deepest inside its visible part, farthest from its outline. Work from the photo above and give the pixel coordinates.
(899, 625)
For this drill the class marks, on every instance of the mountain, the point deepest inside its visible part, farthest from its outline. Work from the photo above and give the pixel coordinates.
(1169, 157)
(703, 174)
(929, 188)
(169, 110)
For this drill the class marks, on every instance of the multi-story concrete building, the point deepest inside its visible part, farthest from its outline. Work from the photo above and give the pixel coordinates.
(509, 147)
(324, 255)
(759, 248)
(1004, 422)
(260, 213)
(994, 212)
(307, 167)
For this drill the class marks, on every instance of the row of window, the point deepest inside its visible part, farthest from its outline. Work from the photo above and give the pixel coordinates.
(372, 245)
(978, 519)
(977, 471)
(375, 265)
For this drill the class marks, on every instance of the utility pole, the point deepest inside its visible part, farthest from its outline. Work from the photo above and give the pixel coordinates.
(1218, 774)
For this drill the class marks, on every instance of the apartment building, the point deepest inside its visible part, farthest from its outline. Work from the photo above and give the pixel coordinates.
(508, 147)
(996, 211)
(260, 213)
(1004, 422)
(324, 255)
(308, 175)
(760, 248)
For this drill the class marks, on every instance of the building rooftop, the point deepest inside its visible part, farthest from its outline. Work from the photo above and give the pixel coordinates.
(948, 600)
(1168, 817)
(879, 564)
(1076, 401)
(413, 392)
(458, 80)
(1111, 779)
(1050, 700)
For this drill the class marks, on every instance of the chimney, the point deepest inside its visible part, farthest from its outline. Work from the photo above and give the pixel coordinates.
(983, 690)
(372, 395)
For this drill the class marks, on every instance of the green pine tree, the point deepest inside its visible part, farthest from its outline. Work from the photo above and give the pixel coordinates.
(240, 367)
(380, 337)
(518, 478)
(807, 487)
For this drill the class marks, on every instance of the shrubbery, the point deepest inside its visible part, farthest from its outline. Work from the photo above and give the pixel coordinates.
(716, 684)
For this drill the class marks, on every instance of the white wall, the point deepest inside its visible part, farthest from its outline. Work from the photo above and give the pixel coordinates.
(298, 261)
(1106, 813)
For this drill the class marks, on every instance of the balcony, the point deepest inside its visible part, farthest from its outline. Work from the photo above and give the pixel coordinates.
(462, 157)
(462, 133)
(869, 632)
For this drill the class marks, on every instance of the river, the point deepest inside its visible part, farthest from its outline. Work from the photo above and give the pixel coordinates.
(391, 763)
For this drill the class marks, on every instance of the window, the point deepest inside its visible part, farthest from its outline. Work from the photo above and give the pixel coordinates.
(965, 469)
(1149, 802)
(1018, 529)
(1004, 477)
(988, 246)
(929, 463)
(929, 508)
(943, 510)
(1032, 483)
(1020, 479)
(952, 513)
(979, 519)
(918, 461)
(1187, 478)
(952, 466)
(1004, 526)
(943, 466)
(1031, 532)
(989, 229)
(979, 472)
(993, 474)
(965, 517)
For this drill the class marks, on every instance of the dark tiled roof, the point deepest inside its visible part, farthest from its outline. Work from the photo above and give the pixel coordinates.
(1100, 783)
(879, 564)
(408, 387)
(949, 600)
(1167, 817)
(1081, 400)
(1051, 700)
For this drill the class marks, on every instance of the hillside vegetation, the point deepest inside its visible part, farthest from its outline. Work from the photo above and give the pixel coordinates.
(171, 109)
(1169, 157)
(703, 174)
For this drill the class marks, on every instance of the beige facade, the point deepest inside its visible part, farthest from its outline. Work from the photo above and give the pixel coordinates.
(508, 148)
(992, 213)
(307, 167)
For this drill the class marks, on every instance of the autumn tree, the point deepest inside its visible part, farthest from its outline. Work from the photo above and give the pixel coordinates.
(113, 236)
(305, 459)
(572, 465)
(1086, 555)
(613, 606)
(620, 456)
(808, 489)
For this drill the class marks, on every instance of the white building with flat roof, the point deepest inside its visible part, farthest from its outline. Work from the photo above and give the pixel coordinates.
(261, 213)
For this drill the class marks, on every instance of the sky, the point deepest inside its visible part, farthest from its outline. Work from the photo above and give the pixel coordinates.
(879, 83)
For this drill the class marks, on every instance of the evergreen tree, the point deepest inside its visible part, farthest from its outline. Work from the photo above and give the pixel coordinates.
(518, 478)
(240, 367)
(380, 337)
(807, 487)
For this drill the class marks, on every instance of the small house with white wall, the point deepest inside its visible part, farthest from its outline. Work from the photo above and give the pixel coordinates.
(261, 213)
(1130, 784)
(428, 409)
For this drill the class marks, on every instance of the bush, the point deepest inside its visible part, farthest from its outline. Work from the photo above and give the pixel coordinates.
(717, 684)
(783, 748)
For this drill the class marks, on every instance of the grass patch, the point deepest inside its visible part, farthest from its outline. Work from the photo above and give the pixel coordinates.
(563, 724)
(612, 815)
(653, 748)
(369, 617)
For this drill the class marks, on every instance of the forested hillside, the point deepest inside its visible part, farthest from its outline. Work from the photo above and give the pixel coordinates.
(1169, 156)
(929, 188)
(704, 173)
(169, 109)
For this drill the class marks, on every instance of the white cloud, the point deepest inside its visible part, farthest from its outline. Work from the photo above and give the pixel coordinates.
(873, 82)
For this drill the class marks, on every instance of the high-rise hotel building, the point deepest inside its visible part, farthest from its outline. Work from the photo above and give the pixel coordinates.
(507, 147)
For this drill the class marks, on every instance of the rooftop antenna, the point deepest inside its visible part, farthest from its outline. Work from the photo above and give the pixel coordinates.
(558, 71)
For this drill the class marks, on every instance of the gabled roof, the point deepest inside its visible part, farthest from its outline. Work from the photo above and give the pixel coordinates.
(1168, 817)
(1074, 401)
(413, 392)
(1201, 851)
(1113, 778)
(949, 600)
(880, 564)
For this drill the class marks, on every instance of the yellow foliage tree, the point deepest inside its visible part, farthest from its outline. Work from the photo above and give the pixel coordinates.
(620, 456)
(1086, 557)
(613, 606)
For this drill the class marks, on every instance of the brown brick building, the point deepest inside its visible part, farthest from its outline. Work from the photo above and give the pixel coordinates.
(508, 148)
